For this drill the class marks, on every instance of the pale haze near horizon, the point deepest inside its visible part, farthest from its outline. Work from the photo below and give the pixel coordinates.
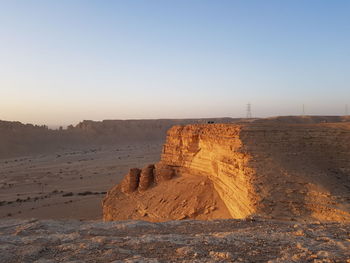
(66, 61)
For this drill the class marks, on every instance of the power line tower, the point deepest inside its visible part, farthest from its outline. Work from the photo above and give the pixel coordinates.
(249, 111)
(303, 112)
(346, 110)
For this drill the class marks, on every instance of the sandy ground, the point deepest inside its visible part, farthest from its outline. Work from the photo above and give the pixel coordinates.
(183, 197)
(251, 240)
(68, 184)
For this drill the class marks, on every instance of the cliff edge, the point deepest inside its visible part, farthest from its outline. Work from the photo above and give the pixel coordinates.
(281, 171)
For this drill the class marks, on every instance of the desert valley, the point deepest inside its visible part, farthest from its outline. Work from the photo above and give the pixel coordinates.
(279, 184)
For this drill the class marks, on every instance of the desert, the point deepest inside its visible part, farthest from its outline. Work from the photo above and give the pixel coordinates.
(205, 191)
(150, 131)
(52, 174)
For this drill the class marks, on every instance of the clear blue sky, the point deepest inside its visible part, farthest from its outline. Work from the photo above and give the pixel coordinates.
(68, 60)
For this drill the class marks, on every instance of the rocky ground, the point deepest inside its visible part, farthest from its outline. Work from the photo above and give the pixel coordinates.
(251, 240)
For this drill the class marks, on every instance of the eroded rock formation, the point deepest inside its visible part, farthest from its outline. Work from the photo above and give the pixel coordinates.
(285, 171)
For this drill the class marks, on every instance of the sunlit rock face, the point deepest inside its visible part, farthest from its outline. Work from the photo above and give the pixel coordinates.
(283, 171)
(215, 152)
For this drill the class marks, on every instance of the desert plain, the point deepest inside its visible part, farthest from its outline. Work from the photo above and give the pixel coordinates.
(67, 184)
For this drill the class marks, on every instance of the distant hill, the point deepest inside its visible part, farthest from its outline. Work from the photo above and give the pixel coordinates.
(304, 119)
(18, 139)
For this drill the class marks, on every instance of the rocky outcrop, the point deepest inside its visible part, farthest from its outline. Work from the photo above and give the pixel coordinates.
(142, 179)
(146, 177)
(214, 152)
(285, 171)
(131, 181)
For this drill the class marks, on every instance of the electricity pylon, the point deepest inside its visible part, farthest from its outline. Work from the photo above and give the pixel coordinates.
(249, 111)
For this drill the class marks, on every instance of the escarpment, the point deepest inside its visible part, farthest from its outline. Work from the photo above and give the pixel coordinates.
(285, 171)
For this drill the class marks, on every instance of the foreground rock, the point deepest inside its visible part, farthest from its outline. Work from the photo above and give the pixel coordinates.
(175, 241)
(281, 171)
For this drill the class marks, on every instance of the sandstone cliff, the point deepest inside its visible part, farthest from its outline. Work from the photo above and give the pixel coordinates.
(285, 171)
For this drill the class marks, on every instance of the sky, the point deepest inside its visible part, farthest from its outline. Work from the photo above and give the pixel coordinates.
(65, 61)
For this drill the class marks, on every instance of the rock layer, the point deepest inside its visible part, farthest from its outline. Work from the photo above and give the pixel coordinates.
(284, 171)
